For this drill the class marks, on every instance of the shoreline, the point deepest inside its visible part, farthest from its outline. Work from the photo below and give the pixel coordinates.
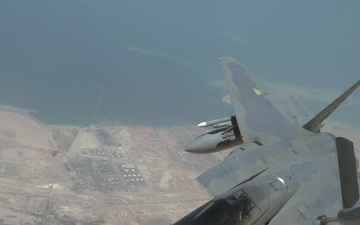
(105, 123)
(22, 112)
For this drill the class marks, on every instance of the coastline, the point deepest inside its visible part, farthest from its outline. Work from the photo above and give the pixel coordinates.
(18, 128)
(36, 158)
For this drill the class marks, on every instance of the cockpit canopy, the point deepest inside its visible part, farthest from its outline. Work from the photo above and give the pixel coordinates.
(241, 205)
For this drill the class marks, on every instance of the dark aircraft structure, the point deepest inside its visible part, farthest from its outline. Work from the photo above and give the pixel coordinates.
(283, 171)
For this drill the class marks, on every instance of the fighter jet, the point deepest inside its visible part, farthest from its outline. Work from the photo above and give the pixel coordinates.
(283, 172)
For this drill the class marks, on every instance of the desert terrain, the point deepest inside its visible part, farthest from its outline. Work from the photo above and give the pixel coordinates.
(97, 175)
(126, 175)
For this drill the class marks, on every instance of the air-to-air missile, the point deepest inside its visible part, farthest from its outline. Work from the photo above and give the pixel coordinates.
(216, 122)
(226, 136)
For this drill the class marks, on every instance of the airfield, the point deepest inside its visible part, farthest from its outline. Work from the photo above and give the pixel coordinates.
(97, 175)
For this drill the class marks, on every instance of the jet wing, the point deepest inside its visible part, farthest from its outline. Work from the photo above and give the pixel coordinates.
(241, 166)
(309, 203)
(256, 112)
(231, 172)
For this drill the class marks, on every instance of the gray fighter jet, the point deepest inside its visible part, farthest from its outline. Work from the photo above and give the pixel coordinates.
(283, 172)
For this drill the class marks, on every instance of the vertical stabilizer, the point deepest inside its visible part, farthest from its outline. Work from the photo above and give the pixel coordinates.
(348, 173)
(314, 124)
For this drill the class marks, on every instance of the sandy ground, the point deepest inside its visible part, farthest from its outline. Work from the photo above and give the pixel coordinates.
(21, 130)
(38, 189)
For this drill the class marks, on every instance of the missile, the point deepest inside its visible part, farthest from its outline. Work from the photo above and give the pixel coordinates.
(224, 124)
(214, 122)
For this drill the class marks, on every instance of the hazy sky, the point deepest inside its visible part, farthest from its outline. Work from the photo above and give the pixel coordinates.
(157, 60)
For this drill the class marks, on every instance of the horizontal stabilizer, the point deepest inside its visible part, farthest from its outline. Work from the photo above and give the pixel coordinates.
(314, 124)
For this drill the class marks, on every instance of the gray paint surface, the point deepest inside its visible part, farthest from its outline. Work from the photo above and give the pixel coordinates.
(310, 158)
